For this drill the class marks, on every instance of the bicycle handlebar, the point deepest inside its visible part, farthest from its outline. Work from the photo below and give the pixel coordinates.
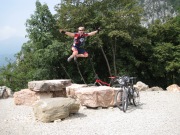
(125, 80)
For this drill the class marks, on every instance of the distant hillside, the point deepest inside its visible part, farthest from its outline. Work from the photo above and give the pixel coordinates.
(5, 58)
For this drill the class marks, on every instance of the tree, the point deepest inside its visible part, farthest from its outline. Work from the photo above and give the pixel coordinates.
(166, 54)
(44, 44)
(41, 27)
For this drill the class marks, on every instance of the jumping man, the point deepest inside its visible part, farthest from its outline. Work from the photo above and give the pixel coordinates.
(79, 39)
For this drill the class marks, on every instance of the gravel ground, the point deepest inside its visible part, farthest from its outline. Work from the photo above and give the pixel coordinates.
(157, 114)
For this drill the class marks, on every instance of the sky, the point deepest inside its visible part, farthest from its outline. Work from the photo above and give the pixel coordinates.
(13, 15)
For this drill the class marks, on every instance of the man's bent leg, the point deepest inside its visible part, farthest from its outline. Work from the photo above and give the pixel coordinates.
(82, 55)
(75, 52)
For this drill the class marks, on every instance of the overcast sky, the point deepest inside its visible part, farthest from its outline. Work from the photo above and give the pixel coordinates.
(13, 15)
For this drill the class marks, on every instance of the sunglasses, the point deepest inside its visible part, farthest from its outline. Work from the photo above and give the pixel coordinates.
(81, 30)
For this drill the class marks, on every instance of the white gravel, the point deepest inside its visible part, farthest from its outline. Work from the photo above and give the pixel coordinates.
(158, 114)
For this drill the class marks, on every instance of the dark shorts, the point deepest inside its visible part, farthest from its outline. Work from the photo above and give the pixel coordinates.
(80, 50)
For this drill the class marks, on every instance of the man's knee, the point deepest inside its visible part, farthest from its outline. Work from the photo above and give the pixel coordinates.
(85, 54)
(75, 52)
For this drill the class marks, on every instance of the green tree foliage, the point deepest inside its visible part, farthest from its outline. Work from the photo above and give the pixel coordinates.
(41, 27)
(166, 51)
(45, 43)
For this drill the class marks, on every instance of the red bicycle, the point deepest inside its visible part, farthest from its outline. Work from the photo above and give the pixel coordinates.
(99, 82)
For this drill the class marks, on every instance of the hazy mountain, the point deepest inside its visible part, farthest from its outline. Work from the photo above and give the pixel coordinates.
(8, 48)
(5, 58)
(156, 9)
(12, 45)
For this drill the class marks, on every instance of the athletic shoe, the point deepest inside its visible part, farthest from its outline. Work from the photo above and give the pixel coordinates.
(75, 58)
(69, 59)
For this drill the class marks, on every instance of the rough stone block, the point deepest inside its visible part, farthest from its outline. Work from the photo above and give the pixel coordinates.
(70, 90)
(173, 88)
(61, 93)
(49, 85)
(141, 86)
(28, 97)
(49, 110)
(101, 96)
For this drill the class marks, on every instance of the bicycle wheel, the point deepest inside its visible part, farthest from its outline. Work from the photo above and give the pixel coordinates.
(136, 97)
(130, 95)
(118, 100)
(125, 99)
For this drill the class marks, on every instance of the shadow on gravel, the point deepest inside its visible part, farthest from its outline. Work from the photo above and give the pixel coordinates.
(77, 115)
(132, 108)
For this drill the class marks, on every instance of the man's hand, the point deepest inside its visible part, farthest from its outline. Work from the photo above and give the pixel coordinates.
(98, 29)
(62, 31)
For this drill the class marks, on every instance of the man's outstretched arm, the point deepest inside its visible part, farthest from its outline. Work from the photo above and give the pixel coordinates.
(94, 32)
(66, 32)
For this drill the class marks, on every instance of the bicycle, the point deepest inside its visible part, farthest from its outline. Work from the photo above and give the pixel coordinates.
(127, 93)
(99, 82)
(3, 92)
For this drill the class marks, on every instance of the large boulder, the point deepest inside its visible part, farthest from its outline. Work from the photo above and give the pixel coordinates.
(70, 90)
(173, 88)
(156, 88)
(101, 96)
(28, 97)
(41, 89)
(49, 110)
(61, 93)
(49, 85)
(141, 86)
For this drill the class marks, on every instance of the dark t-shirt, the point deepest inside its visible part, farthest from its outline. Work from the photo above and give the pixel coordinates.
(79, 39)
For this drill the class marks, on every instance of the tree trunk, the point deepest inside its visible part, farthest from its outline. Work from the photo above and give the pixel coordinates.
(107, 62)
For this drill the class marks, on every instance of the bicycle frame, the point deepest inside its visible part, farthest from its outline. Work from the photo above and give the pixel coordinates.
(102, 83)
